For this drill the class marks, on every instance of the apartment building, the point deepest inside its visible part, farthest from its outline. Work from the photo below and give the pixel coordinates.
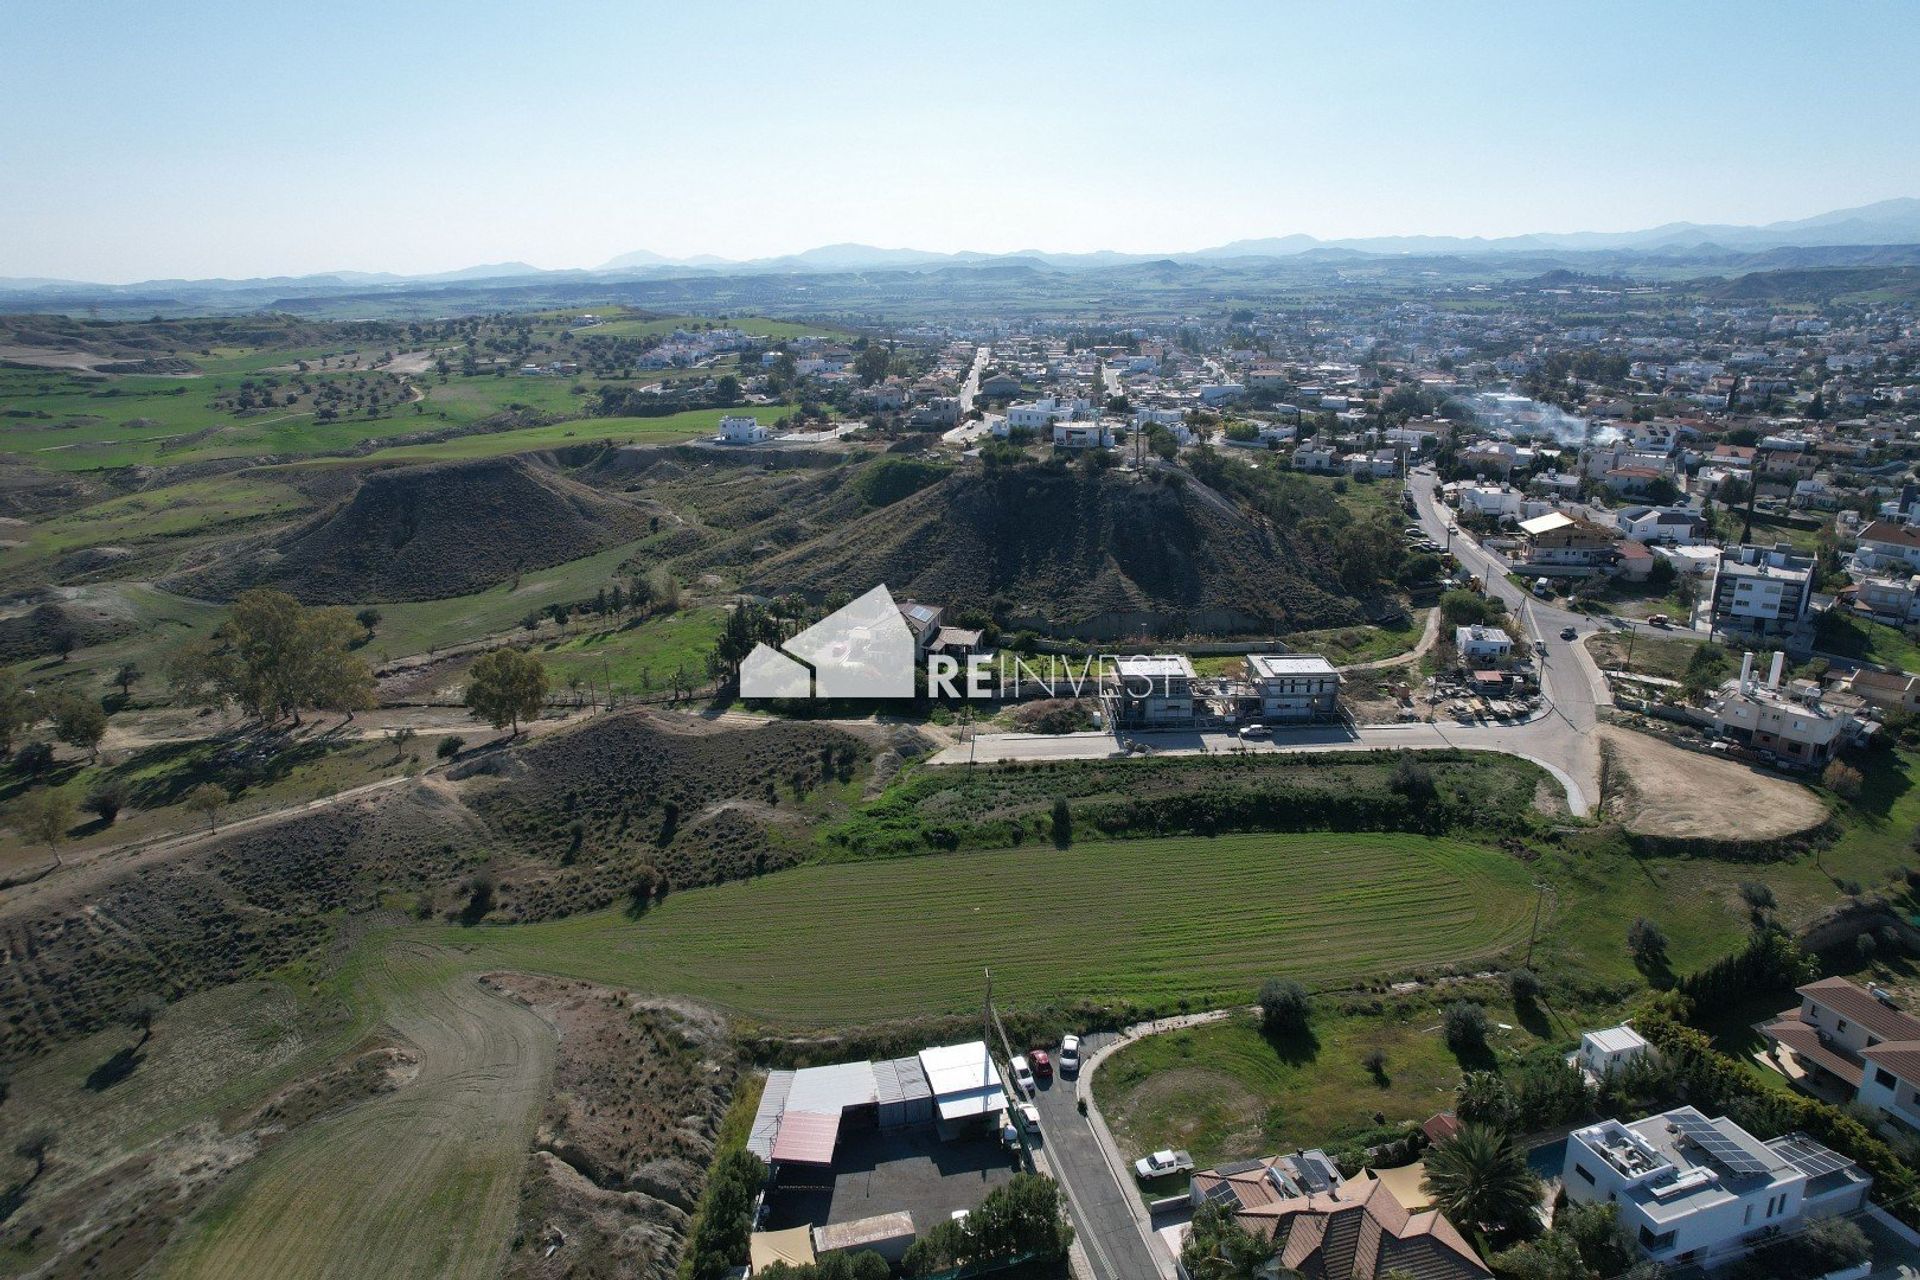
(1761, 591)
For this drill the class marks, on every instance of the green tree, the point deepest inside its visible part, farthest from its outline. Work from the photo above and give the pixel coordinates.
(1219, 1248)
(276, 658)
(1284, 1007)
(368, 618)
(42, 816)
(126, 677)
(1479, 1178)
(208, 798)
(107, 799)
(79, 722)
(873, 363)
(506, 686)
(140, 1014)
(1483, 1098)
(17, 709)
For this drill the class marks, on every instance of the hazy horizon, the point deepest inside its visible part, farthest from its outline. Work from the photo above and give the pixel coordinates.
(216, 140)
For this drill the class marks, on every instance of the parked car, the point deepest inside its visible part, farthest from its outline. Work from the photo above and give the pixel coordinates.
(1162, 1163)
(1070, 1055)
(1255, 731)
(1042, 1064)
(1030, 1117)
(1568, 633)
(1022, 1076)
(1660, 620)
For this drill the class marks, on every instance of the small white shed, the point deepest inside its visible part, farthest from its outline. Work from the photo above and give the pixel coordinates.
(1610, 1049)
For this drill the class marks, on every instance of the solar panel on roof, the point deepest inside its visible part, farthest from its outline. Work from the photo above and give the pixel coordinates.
(1239, 1166)
(1222, 1193)
(1702, 1132)
(1811, 1158)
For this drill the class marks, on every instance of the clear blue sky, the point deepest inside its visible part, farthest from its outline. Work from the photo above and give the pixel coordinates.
(180, 139)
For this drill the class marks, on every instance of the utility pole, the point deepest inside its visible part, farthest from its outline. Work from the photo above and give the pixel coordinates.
(1540, 892)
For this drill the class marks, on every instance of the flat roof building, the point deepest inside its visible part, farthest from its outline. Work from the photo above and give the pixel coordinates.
(1294, 686)
(1691, 1189)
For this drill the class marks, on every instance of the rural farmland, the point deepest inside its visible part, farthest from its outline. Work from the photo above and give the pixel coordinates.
(1176, 917)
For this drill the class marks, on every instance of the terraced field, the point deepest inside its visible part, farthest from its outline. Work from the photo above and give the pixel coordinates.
(422, 1181)
(1149, 921)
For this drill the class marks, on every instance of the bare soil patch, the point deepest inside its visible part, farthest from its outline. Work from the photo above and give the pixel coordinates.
(624, 1140)
(1691, 795)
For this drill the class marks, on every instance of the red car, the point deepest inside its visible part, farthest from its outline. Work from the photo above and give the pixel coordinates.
(1042, 1064)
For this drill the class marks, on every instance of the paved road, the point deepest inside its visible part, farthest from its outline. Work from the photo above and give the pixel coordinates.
(1108, 1214)
(971, 387)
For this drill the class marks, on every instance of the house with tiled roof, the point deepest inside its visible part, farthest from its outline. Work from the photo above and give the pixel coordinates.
(1846, 1041)
(1329, 1228)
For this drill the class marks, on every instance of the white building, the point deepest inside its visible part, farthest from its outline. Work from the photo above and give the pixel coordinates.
(1609, 1050)
(1691, 1190)
(1651, 525)
(1479, 643)
(1760, 590)
(1294, 686)
(1151, 689)
(1082, 435)
(1488, 500)
(1885, 545)
(1792, 723)
(740, 429)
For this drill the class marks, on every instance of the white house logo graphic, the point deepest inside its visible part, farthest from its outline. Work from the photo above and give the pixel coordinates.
(861, 651)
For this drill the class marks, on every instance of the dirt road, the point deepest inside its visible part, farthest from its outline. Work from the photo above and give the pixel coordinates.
(419, 1182)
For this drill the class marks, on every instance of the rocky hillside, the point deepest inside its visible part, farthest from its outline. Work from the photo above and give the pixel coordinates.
(1100, 555)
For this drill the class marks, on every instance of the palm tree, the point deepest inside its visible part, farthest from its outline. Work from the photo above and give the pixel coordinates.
(1478, 1178)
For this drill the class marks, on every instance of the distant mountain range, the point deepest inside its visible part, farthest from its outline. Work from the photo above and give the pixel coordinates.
(1889, 222)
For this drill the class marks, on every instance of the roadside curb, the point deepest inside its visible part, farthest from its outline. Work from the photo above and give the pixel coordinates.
(1103, 1136)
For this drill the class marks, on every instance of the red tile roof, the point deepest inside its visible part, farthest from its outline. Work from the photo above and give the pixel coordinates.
(1903, 535)
(1804, 1040)
(1902, 1057)
(1364, 1234)
(1853, 1002)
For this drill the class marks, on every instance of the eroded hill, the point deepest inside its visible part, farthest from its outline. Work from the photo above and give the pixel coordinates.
(425, 533)
(1099, 554)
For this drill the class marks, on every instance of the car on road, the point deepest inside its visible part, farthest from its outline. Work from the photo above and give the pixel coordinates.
(1022, 1076)
(1255, 731)
(1162, 1163)
(1660, 620)
(1042, 1064)
(1568, 633)
(1070, 1055)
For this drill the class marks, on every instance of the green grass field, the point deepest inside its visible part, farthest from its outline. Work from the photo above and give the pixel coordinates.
(1149, 921)
(639, 659)
(416, 626)
(1224, 1091)
(672, 429)
(1870, 641)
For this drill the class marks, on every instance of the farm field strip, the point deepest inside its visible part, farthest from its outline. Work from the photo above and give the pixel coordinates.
(1142, 920)
(422, 1181)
